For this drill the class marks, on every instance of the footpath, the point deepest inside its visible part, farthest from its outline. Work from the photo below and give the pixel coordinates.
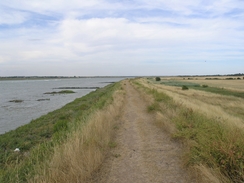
(143, 152)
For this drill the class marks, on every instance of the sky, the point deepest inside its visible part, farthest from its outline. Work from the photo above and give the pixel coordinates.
(121, 37)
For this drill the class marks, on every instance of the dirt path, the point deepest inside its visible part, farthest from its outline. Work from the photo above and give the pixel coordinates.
(143, 153)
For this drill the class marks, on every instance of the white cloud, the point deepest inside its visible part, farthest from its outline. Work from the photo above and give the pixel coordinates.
(12, 17)
(95, 35)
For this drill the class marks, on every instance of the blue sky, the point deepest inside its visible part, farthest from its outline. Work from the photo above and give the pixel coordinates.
(106, 37)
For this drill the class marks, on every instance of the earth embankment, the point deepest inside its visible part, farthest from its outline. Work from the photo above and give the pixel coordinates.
(143, 152)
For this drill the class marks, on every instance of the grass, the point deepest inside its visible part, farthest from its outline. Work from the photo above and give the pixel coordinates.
(184, 87)
(221, 91)
(206, 88)
(112, 144)
(38, 139)
(209, 142)
(84, 150)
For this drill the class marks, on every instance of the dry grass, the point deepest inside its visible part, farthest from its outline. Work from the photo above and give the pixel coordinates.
(83, 152)
(224, 108)
(206, 123)
(221, 82)
(208, 175)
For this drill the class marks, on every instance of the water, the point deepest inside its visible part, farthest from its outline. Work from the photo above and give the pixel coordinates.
(13, 115)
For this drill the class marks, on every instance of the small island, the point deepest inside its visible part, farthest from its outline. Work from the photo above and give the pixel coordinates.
(60, 92)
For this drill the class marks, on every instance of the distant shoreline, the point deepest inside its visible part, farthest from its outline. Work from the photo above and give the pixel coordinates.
(2, 78)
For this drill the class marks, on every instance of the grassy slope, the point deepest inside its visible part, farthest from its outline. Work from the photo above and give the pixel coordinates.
(37, 139)
(210, 143)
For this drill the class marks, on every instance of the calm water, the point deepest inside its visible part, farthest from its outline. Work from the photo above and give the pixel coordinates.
(13, 115)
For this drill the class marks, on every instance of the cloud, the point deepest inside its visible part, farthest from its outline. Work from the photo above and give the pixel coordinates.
(9, 17)
(87, 36)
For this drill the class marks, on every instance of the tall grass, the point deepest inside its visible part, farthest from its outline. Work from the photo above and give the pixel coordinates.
(39, 139)
(83, 152)
(212, 146)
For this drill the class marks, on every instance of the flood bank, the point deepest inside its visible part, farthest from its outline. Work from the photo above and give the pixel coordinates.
(36, 140)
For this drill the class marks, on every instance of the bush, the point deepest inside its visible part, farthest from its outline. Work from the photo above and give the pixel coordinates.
(184, 87)
(158, 79)
(204, 86)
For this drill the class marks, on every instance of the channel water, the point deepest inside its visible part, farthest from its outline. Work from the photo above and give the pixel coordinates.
(24, 100)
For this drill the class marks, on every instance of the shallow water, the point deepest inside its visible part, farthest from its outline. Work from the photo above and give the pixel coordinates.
(13, 115)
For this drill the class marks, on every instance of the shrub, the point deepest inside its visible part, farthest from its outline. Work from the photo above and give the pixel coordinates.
(158, 79)
(204, 86)
(184, 87)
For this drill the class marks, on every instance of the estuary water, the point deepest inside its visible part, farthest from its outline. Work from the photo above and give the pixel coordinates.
(34, 102)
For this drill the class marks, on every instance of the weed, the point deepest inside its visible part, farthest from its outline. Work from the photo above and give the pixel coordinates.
(154, 107)
(116, 127)
(116, 155)
(184, 87)
(204, 86)
(112, 144)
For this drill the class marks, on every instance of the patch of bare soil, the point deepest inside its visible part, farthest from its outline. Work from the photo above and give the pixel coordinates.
(143, 153)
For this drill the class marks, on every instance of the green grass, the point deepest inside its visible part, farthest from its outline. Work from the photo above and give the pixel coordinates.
(179, 83)
(206, 88)
(212, 143)
(37, 139)
(220, 91)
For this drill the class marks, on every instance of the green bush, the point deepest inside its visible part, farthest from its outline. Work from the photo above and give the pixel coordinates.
(184, 87)
(158, 79)
(204, 86)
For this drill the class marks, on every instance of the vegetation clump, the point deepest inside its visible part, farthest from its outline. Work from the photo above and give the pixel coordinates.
(60, 92)
(16, 101)
(158, 79)
(184, 87)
